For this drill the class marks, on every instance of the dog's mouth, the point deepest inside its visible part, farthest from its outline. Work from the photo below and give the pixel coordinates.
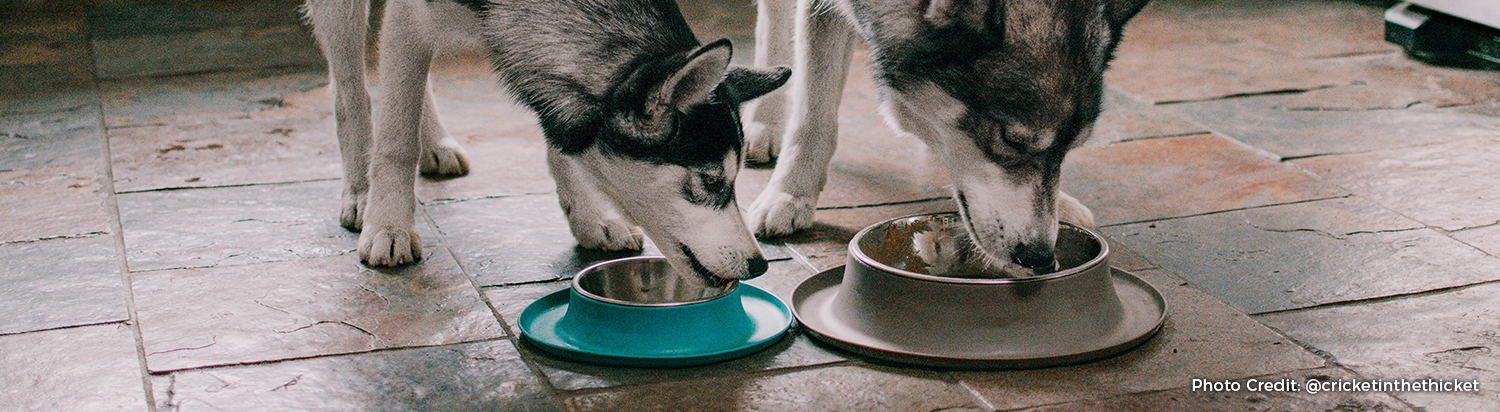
(702, 271)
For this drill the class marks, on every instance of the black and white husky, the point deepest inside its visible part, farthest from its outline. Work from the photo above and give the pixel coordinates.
(641, 120)
(999, 90)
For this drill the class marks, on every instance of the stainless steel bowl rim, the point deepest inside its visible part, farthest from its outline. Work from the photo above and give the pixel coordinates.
(577, 287)
(859, 255)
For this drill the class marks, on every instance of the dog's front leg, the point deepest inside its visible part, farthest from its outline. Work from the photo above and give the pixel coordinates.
(595, 220)
(441, 155)
(824, 41)
(340, 27)
(389, 237)
(774, 43)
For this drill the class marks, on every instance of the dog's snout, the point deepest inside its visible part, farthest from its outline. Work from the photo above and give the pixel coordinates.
(1037, 257)
(756, 266)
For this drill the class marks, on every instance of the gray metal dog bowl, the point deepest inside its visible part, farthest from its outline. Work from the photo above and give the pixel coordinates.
(911, 294)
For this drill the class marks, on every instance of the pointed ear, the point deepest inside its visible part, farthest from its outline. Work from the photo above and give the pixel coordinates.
(692, 83)
(748, 83)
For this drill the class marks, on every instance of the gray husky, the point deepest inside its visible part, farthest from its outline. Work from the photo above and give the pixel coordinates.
(641, 120)
(999, 90)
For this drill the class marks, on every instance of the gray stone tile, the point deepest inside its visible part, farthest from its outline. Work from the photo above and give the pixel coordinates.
(238, 225)
(60, 282)
(91, 368)
(1187, 399)
(216, 49)
(1275, 124)
(1301, 28)
(1126, 118)
(1165, 57)
(518, 239)
(1124, 258)
(1203, 338)
(224, 152)
(1452, 186)
(793, 351)
(52, 202)
(191, 318)
(181, 99)
(465, 377)
(1181, 176)
(1444, 336)
(842, 388)
(1484, 238)
(30, 140)
(1307, 254)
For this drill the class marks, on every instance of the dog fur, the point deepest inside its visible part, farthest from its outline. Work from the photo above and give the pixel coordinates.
(999, 90)
(641, 120)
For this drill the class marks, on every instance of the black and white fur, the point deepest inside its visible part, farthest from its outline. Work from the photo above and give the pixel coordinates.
(999, 90)
(641, 120)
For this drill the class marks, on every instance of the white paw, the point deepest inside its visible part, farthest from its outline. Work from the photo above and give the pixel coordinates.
(446, 158)
(1070, 210)
(351, 206)
(777, 213)
(609, 234)
(389, 245)
(763, 143)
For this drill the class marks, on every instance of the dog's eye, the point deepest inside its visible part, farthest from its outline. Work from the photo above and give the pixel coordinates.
(708, 189)
(712, 182)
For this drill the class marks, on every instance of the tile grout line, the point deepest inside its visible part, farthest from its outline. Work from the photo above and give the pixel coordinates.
(112, 208)
(1379, 299)
(1238, 209)
(512, 335)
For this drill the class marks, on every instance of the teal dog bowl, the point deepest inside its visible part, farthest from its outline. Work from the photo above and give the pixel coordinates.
(638, 312)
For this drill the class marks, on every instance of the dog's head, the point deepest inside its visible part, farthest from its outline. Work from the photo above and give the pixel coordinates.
(1001, 91)
(665, 145)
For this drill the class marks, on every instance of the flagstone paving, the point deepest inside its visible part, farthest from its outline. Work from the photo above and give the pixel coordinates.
(1312, 204)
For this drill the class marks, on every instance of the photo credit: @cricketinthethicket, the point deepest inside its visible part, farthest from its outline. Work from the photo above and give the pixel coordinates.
(1315, 385)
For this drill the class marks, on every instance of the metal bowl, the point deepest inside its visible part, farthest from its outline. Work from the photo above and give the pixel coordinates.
(640, 312)
(913, 292)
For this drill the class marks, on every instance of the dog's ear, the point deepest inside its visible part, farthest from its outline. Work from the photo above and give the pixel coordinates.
(693, 83)
(1120, 11)
(747, 83)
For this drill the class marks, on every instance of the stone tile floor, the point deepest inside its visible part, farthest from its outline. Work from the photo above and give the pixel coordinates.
(1311, 202)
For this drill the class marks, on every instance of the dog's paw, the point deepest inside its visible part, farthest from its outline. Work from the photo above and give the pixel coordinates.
(763, 143)
(777, 213)
(389, 246)
(351, 210)
(445, 159)
(1070, 210)
(609, 234)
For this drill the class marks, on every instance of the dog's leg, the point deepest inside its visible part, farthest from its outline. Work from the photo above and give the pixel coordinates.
(441, 155)
(340, 27)
(773, 47)
(389, 237)
(1070, 210)
(824, 41)
(595, 220)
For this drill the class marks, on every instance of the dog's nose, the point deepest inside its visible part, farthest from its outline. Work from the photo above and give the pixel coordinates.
(1036, 257)
(757, 266)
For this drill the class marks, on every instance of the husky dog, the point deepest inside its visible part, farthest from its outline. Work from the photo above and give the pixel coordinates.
(641, 120)
(999, 90)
